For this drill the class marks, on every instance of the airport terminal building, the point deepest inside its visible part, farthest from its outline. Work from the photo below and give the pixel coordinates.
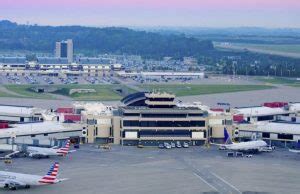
(153, 118)
(20, 114)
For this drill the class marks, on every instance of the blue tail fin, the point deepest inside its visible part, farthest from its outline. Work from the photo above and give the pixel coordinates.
(227, 139)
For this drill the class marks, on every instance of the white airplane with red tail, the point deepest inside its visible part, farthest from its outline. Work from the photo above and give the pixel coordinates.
(13, 181)
(39, 152)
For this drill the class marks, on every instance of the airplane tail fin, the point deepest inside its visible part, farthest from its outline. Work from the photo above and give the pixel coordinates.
(227, 139)
(51, 176)
(65, 149)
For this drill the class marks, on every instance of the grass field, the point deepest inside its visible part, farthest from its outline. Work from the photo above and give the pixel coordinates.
(24, 91)
(278, 80)
(290, 50)
(295, 85)
(103, 92)
(3, 94)
(190, 90)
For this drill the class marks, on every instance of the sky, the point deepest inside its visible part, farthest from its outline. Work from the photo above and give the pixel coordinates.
(147, 13)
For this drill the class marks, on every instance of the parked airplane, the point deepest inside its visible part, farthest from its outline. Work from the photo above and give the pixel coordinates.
(13, 181)
(38, 152)
(250, 146)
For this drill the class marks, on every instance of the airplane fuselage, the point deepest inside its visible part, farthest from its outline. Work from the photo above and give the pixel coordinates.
(43, 151)
(13, 181)
(27, 179)
(245, 146)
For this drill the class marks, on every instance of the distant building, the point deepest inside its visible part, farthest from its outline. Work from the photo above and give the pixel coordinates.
(64, 49)
(190, 61)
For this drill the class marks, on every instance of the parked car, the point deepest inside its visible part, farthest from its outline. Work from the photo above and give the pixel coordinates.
(140, 146)
(167, 146)
(178, 144)
(161, 146)
(185, 145)
(173, 145)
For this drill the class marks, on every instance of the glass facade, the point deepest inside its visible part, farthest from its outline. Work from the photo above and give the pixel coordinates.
(167, 133)
(64, 50)
(127, 123)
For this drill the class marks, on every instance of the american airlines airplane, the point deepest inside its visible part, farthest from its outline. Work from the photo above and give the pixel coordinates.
(250, 146)
(13, 181)
(38, 152)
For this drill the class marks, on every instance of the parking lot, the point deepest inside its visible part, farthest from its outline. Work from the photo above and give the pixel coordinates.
(152, 170)
(49, 80)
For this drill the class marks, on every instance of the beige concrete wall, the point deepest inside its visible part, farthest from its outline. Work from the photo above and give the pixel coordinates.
(217, 124)
(102, 129)
(116, 124)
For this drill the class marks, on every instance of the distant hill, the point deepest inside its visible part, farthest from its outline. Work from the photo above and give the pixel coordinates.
(91, 40)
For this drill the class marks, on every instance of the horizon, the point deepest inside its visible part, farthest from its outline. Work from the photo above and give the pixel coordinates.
(145, 13)
(155, 27)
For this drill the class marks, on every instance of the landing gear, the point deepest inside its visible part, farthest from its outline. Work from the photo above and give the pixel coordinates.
(27, 186)
(12, 187)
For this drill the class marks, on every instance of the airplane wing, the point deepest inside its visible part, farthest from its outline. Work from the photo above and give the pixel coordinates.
(294, 151)
(5, 158)
(61, 180)
(218, 144)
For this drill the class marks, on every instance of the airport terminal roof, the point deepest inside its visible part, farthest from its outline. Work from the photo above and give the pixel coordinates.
(17, 110)
(54, 60)
(41, 60)
(279, 127)
(86, 60)
(160, 73)
(295, 106)
(37, 128)
(259, 111)
(95, 108)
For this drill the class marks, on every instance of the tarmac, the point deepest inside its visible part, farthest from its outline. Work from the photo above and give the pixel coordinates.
(151, 170)
(247, 98)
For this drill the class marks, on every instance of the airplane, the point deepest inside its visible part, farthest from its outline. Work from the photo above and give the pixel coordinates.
(13, 181)
(39, 152)
(250, 146)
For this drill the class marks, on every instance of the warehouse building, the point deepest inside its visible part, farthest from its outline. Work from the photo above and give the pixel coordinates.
(153, 118)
